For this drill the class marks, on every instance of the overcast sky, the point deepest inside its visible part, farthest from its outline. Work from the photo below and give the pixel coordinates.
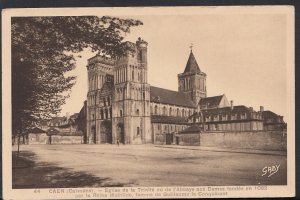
(244, 56)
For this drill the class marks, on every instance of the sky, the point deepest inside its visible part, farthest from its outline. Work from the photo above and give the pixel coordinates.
(244, 56)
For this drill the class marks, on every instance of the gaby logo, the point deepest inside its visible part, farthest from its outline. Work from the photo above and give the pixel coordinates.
(270, 170)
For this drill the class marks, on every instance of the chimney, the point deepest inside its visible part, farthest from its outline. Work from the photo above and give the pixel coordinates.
(261, 108)
(231, 104)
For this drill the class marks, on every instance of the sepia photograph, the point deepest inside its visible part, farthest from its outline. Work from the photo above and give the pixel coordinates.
(186, 102)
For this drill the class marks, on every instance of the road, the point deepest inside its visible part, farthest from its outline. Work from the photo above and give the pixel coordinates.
(147, 165)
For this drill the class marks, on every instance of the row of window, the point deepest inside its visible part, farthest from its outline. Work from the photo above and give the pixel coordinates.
(225, 117)
(169, 127)
(121, 75)
(171, 111)
(104, 114)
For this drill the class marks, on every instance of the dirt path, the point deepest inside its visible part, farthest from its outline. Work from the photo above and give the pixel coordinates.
(109, 165)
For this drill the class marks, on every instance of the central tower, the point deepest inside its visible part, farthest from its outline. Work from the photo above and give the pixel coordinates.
(192, 81)
(131, 105)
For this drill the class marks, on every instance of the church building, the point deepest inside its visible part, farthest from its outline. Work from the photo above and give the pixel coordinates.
(122, 106)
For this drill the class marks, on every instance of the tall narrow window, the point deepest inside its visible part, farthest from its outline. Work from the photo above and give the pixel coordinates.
(165, 110)
(132, 75)
(121, 113)
(106, 113)
(170, 112)
(137, 130)
(108, 101)
(155, 109)
(104, 101)
(101, 114)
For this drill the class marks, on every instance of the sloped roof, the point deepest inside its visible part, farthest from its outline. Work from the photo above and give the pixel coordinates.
(269, 114)
(192, 65)
(57, 120)
(168, 119)
(191, 129)
(210, 102)
(160, 95)
(36, 130)
(227, 110)
(74, 116)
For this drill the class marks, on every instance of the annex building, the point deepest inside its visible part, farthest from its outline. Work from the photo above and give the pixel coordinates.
(122, 106)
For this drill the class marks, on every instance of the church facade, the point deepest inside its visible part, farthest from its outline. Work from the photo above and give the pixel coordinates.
(122, 106)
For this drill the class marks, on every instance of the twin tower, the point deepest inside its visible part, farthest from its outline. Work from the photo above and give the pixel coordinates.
(118, 99)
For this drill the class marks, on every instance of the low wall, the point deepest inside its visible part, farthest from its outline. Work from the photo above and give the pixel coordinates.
(260, 140)
(189, 139)
(37, 138)
(58, 139)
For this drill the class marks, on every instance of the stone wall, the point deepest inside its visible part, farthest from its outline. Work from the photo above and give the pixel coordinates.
(189, 139)
(58, 139)
(37, 138)
(260, 140)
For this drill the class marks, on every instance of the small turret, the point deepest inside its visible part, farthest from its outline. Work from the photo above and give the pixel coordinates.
(142, 51)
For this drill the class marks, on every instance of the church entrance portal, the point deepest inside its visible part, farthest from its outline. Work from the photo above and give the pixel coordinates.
(105, 131)
(94, 134)
(169, 138)
(120, 133)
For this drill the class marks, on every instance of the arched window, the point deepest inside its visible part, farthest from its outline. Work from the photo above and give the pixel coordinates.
(178, 112)
(121, 113)
(137, 130)
(164, 110)
(155, 109)
(170, 111)
(182, 113)
(133, 75)
(138, 112)
(108, 101)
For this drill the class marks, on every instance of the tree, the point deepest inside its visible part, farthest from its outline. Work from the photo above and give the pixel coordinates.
(41, 49)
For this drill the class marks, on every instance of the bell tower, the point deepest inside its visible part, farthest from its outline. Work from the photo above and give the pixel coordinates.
(131, 107)
(192, 81)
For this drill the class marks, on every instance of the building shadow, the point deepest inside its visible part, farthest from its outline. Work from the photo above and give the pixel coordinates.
(27, 173)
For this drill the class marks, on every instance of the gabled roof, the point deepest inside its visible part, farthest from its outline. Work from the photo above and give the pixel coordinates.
(159, 95)
(210, 102)
(227, 110)
(191, 129)
(168, 119)
(57, 120)
(192, 65)
(107, 86)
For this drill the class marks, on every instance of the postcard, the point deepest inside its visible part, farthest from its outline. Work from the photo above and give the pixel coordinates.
(148, 102)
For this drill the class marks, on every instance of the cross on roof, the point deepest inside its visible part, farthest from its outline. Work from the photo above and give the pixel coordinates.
(191, 47)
